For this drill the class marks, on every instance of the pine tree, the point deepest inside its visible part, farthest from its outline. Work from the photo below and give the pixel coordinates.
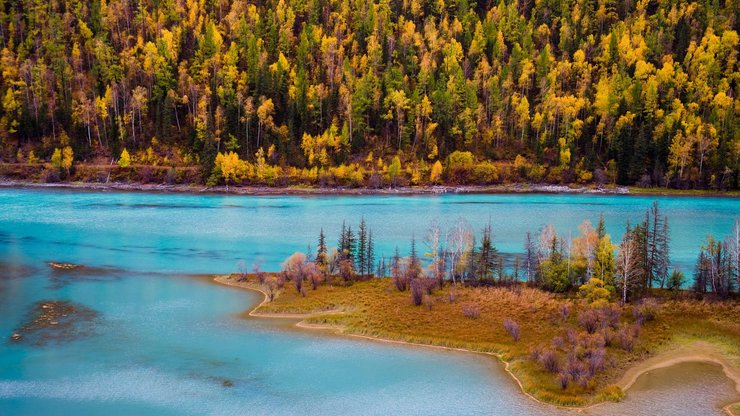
(350, 247)
(601, 227)
(342, 241)
(321, 254)
(370, 253)
(361, 254)
(414, 263)
(487, 256)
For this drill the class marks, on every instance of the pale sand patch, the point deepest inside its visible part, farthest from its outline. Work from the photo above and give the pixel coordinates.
(696, 352)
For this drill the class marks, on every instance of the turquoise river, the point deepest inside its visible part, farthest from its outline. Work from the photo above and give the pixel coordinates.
(154, 340)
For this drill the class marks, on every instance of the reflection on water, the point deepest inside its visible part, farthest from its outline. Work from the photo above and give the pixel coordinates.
(170, 345)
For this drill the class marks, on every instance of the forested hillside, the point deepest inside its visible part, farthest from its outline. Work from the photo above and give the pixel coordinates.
(561, 91)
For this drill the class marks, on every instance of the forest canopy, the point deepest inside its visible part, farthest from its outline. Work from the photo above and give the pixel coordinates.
(628, 92)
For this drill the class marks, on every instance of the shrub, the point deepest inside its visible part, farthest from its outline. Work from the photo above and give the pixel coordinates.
(612, 393)
(512, 328)
(485, 173)
(676, 280)
(270, 287)
(572, 336)
(399, 279)
(549, 360)
(645, 311)
(471, 310)
(429, 284)
(346, 271)
(459, 165)
(625, 339)
(589, 320)
(256, 269)
(596, 361)
(558, 342)
(563, 379)
(417, 291)
(313, 274)
(521, 165)
(607, 334)
(564, 311)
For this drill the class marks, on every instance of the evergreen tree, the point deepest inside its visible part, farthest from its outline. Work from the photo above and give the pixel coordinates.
(361, 253)
(370, 253)
(487, 256)
(414, 263)
(321, 253)
(601, 227)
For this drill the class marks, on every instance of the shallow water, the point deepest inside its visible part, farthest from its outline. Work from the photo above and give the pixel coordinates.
(168, 344)
(688, 389)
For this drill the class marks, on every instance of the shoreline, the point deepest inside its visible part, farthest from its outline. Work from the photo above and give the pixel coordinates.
(257, 190)
(523, 188)
(702, 352)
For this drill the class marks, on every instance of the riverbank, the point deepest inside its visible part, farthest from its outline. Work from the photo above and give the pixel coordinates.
(373, 310)
(306, 190)
(514, 188)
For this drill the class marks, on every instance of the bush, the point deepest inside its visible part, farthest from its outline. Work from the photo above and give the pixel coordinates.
(471, 310)
(549, 360)
(589, 320)
(417, 291)
(512, 328)
(645, 311)
(625, 339)
(612, 393)
(676, 280)
(563, 379)
(485, 173)
(564, 311)
(596, 361)
(459, 165)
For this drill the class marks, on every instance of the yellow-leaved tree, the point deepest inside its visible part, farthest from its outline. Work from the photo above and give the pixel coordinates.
(436, 174)
(125, 160)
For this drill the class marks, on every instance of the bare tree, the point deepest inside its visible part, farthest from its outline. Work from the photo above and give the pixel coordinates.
(627, 265)
(461, 239)
(433, 241)
(733, 246)
(531, 259)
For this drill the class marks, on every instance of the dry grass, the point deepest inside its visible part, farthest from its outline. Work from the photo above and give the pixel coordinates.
(375, 308)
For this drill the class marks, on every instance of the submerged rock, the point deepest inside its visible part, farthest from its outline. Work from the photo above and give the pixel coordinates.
(55, 321)
(63, 266)
(63, 274)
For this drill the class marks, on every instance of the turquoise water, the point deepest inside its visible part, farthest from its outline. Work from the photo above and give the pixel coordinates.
(211, 233)
(164, 343)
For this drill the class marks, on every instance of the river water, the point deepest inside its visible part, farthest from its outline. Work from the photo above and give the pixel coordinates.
(162, 343)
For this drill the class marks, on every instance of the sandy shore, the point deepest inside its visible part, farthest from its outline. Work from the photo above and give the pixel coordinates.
(697, 352)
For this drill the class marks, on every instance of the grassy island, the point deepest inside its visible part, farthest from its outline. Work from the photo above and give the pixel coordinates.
(472, 318)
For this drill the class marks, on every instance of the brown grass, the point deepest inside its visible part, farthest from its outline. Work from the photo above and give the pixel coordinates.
(375, 308)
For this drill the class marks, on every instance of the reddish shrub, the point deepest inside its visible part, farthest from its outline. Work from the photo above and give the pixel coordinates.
(589, 320)
(417, 291)
(549, 360)
(645, 311)
(512, 328)
(471, 310)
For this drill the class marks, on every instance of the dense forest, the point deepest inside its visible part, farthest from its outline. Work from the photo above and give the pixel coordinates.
(407, 91)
